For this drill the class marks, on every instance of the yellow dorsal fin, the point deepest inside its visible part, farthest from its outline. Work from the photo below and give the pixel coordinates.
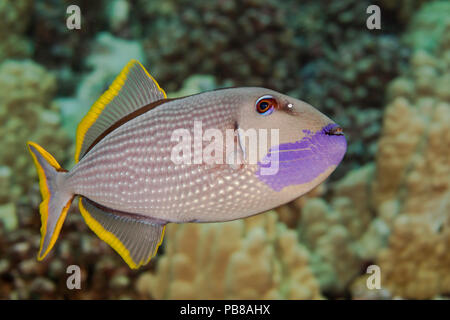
(133, 88)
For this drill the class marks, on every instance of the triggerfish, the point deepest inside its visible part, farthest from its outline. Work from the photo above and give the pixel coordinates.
(130, 184)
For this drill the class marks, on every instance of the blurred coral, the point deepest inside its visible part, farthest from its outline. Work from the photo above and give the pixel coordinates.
(416, 264)
(247, 42)
(290, 213)
(26, 113)
(103, 273)
(348, 83)
(429, 25)
(413, 161)
(342, 234)
(413, 177)
(14, 19)
(61, 49)
(255, 258)
(195, 84)
(107, 56)
(404, 197)
(402, 9)
(413, 158)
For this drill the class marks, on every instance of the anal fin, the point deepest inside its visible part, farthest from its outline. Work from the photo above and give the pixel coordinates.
(135, 240)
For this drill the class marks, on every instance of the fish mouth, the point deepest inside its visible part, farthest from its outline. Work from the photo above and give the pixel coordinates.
(333, 143)
(333, 129)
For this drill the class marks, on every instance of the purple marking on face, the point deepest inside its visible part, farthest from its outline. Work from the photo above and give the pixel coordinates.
(304, 160)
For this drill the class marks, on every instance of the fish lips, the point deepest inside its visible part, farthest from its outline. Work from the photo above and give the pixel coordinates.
(335, 142)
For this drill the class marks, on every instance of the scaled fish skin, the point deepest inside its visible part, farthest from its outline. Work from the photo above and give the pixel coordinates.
(129, 187)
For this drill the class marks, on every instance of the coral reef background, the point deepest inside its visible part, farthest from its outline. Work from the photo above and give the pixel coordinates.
(388, 203)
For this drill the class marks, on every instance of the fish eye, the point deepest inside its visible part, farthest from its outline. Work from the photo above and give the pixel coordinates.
(266, 104)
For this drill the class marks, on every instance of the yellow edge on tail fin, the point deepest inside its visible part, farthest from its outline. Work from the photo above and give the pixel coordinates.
(45, 193)
(112, 240)
(103, 101)
(57, 230)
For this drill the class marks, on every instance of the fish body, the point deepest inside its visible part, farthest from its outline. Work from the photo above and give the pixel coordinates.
(130, 186)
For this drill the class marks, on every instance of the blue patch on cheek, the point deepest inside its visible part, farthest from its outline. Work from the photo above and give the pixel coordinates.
(301, 161)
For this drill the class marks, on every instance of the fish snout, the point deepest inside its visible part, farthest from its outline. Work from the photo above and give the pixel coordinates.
(333, 130)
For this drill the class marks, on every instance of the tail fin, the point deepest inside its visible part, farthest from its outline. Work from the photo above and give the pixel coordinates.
(56, 199)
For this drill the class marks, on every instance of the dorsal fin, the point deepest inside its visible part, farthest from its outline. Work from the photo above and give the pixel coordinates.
(133, 88)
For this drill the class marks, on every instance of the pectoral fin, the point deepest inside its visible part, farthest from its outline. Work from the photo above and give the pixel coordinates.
(135, 239)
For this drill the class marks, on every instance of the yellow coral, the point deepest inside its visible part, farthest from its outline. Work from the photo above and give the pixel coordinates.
(407, 198)
(416, 265)
(413, 161)
(412, 185)
(255, 258)
(343, 233)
